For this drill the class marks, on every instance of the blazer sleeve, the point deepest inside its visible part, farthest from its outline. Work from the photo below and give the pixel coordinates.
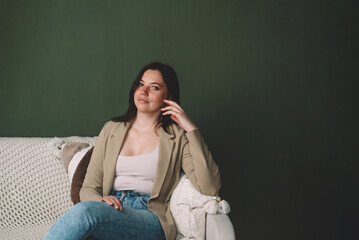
(92, 187)
(199, 165)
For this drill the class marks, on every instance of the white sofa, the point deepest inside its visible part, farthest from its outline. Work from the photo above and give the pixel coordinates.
(35, 190)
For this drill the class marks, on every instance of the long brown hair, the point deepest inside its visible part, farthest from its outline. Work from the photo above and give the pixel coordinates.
(170, 78)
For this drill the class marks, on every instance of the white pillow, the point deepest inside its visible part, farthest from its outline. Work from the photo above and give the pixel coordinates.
(75, 162)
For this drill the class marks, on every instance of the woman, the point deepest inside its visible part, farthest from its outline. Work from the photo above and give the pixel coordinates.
(136, 164)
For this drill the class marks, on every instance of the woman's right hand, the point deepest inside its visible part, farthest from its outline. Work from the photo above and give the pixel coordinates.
(112, 201)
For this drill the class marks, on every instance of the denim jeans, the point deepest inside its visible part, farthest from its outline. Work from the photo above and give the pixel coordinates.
(98, 220)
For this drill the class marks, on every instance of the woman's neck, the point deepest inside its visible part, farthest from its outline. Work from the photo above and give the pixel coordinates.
(145, 122)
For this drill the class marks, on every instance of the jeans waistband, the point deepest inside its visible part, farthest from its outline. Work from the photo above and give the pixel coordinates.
(128, 193)
(131, 199)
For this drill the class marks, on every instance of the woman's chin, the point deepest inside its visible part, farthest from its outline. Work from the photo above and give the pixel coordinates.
(148, 111)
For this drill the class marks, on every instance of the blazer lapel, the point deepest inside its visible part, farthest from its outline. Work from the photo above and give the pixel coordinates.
(164, 158)
(117, 138)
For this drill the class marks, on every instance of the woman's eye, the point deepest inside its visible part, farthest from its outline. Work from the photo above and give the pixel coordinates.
(155, 88)
(140, 84)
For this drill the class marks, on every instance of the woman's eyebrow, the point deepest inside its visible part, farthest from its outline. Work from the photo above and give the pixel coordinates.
(156, 83)
(152, 82)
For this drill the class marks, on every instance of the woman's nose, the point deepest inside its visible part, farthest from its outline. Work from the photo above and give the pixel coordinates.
(144, 90)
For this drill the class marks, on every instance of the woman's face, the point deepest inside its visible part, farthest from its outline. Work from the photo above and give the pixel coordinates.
(150, 92)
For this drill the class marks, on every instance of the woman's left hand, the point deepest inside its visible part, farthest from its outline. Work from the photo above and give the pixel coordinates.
(178, 115)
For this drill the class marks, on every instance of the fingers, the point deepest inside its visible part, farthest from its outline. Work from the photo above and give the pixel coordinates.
(112, 201)
(173, 110)
(175, 115)
(178, 115)
(174, 118)
(170, 102)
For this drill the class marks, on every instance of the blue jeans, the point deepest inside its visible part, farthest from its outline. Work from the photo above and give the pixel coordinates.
(98, 220)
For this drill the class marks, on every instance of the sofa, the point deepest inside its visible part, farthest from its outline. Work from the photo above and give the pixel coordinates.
(35, 189)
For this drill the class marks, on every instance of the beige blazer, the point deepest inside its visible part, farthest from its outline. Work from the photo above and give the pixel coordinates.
(177, 150)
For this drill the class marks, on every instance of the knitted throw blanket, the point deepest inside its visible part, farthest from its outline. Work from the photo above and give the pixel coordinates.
(34, 187)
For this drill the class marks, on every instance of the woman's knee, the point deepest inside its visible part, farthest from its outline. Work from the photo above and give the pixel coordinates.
(87, 208)
(84, 206)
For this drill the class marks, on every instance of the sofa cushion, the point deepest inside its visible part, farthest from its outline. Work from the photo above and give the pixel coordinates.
(75, 157)
(79, 176)
(71, 153)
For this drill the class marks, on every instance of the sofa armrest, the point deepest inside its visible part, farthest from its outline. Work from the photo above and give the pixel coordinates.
(219, 227)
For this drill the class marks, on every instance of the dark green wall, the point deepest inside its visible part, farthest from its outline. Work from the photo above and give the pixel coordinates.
(271, 84)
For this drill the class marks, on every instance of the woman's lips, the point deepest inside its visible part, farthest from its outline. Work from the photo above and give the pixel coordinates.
(143, 100)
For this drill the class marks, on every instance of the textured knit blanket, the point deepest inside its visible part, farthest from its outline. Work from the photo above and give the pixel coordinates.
(34, 187)
(189, 208)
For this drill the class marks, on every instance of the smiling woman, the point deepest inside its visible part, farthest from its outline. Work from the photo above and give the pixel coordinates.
(168, 78)
(136, 165)
(150, 93)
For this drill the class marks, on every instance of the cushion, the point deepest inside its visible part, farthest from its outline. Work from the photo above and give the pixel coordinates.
(76, 158)
(69, 150)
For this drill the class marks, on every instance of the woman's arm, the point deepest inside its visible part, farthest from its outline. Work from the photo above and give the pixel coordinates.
(197, 160)
(199, 165)
(92, 185)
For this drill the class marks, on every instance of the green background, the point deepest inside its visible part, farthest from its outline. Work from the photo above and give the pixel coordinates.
(271, 84)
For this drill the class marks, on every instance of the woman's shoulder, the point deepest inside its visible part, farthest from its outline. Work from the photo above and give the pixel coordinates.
(109, 125)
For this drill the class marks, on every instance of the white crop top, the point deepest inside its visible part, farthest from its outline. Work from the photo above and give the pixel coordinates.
(136, 173)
